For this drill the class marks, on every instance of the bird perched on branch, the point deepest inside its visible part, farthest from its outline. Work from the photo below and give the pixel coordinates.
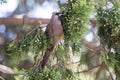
(55, 32)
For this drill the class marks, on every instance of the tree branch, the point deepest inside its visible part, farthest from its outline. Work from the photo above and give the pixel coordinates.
(23, 21)
(28, 21)
(90, 68)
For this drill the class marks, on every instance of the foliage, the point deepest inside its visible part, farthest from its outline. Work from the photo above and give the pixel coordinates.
(39, 74)
(48, 74)
(75, 26)
(109, 32)
(36, 42)
(109, 26)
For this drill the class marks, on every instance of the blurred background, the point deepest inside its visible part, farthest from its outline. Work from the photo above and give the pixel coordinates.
(89, 63)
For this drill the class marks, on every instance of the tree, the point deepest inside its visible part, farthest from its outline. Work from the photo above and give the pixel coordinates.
(96, 60)
(109, 22)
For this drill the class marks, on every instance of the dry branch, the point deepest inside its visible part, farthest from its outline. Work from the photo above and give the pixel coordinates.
(28, 21)
(94, 67)
(23, 21)
(6, 70)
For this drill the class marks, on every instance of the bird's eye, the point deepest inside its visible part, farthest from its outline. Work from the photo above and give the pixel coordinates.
(58, 13)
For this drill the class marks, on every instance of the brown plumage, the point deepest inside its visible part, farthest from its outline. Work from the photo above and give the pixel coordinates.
(55, 32)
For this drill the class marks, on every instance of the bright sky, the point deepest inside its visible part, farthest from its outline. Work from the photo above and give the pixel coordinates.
(7, 9)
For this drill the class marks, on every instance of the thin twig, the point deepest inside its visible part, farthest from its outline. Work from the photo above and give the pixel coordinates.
(109, 71)
(90, 68)
(98, 72)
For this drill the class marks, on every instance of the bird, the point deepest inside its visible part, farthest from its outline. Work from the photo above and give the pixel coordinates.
(55, 32)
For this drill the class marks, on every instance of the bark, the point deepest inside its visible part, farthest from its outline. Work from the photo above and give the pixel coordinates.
(28, 21)
(23, 21)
